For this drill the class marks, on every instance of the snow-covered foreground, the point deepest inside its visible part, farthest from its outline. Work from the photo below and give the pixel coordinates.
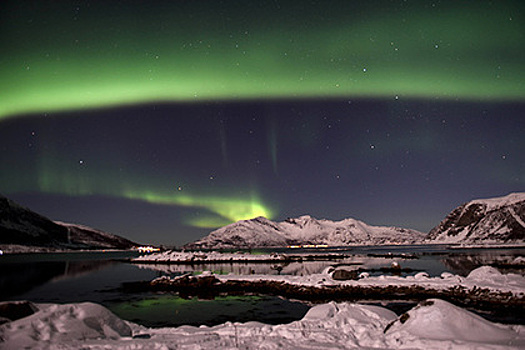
(434, 324)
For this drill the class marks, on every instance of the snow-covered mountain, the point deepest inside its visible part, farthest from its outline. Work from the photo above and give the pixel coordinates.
(22, 228)
(482, 221)
(84, 235)
(261, 232)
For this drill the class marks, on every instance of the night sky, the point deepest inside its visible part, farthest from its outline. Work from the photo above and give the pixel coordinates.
(162, 120)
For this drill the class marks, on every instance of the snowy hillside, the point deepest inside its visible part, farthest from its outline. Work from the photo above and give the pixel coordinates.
(305, 230)
(19, 225)
(22, 230)
(88, 236)
(494, 220)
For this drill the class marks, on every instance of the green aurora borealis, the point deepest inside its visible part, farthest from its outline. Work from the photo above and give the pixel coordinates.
(52, 174)
(223, 209)
(75, 56)
(196, 114)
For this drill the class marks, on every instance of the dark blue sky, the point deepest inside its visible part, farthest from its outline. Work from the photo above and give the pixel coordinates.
(389, 162)
(163, 120)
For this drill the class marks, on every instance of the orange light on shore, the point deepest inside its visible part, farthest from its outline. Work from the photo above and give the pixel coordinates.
(308, 246)
(148, 249)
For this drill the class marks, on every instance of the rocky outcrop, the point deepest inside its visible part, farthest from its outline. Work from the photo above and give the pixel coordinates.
(496, 220)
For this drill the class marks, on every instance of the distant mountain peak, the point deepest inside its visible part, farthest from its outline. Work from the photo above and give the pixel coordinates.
(498, 202)
(262, 232)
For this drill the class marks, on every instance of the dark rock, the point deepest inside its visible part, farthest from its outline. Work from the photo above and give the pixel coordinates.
(142, 336)
(344, 275)
(426, 303)
(395, 265)
(404, 318)
(15, 310)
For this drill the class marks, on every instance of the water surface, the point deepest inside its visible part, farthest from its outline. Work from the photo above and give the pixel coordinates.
(96, 277)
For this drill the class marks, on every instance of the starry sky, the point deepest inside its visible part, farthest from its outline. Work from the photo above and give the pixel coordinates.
(162, 120)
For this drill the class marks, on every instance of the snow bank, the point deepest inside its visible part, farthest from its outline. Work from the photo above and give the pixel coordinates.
(435, 325)
(53, 324)
(203, 257)
(484, 277)
(439, 320)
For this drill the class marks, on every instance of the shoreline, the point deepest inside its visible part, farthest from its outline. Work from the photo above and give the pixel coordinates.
(482, 289)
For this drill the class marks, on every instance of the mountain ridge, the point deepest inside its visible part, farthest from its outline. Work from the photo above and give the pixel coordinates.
(22, 229)
(491, 220)
(304, 230)
(497, 220)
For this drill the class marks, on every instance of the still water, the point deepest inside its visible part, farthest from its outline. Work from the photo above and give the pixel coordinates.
(96, 277)
(79, 277)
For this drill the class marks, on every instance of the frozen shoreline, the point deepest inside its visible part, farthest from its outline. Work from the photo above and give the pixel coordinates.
(194, 257)
(484, 288)
(175, 257)
(435, 323)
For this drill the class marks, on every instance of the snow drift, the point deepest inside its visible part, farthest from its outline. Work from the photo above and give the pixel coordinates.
(434, 324)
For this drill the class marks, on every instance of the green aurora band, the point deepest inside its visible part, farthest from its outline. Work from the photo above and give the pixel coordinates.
(53, 177)
(64, 57)
(227, 210)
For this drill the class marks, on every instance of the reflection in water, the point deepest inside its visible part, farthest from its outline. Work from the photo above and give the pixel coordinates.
(463, 263)
(21, 273)
(80, 268)
(65, 278)
(294, 268)
(19, 278)
(459, 262)
(172, 311)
